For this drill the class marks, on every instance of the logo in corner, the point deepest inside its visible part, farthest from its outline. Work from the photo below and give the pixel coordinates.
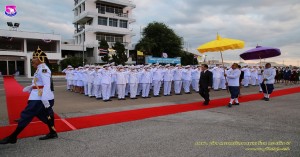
(10, 10)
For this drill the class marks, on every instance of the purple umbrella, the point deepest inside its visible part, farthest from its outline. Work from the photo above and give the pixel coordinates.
(260, 53)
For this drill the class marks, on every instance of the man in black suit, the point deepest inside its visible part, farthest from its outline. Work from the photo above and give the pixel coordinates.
(205, 83)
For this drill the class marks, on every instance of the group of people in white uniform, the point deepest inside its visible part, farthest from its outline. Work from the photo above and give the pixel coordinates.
(104, 82)
(107, 81)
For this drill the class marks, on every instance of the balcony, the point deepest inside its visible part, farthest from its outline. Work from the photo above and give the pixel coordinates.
(125, 3)
(108, 29)
(85, 16)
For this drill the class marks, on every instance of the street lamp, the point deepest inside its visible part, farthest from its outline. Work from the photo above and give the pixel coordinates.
(83, 47)
(82, 53)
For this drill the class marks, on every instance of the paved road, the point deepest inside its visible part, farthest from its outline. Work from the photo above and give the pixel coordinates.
(195, 133)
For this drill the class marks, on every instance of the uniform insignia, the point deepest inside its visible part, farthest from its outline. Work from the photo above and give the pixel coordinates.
(44, 70)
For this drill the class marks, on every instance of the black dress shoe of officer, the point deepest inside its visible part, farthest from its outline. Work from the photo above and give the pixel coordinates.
(229, 105)
(49, 136)
(8, 140)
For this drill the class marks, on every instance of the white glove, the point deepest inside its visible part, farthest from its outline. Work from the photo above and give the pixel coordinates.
(46, 103)
(27, 89)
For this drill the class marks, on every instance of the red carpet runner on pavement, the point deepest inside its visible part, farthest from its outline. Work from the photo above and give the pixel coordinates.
(38, 128)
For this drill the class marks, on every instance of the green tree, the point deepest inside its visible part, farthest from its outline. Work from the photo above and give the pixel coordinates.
(120, 57)
(188, 58)
(158, 38)
(73, 61)
(104, 45)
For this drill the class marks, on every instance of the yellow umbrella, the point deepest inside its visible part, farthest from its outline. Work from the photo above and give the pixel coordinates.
(221, 44)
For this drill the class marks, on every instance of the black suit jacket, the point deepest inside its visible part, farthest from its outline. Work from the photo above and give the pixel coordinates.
(206, 79)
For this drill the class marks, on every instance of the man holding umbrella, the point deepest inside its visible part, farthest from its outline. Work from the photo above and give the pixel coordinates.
(268, 81)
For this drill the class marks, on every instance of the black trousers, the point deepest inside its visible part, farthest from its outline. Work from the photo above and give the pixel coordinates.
(35, 108)
(204, 92)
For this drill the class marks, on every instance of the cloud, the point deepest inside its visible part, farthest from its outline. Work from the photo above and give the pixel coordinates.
(274, 23)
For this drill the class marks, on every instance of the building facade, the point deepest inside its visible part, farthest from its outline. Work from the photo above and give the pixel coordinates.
(16, 48)
(97, 20)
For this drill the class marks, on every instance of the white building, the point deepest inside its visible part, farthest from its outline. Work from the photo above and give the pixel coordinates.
(97, 20)
(16, 48)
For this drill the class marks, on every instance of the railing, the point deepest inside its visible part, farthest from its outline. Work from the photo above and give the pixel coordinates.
(12, 50)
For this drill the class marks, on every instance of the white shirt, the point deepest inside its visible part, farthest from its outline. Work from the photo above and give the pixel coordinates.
(233, 76)
(42, 77)
(269, 74)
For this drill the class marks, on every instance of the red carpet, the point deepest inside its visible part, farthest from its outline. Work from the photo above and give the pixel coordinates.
(131, 115)
(38, 128)
(16, 99)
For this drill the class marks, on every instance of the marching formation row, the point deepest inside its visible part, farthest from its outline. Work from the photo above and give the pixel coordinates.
(104, 82)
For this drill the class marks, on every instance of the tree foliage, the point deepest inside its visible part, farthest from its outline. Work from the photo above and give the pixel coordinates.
(120, 57)
(104, 45)
(188, 58)
(158, 38)
(73, 61)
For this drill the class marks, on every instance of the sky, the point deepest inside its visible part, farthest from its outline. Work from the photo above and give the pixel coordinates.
(272, 23)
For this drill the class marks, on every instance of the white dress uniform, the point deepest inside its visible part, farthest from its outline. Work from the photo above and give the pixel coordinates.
(216, 77)
(140, 86)
(195, 79)
(90, 80)
(168, 78)
(106, 84)
(97, 83)
(177, 77)
(157, 78)
(121, 80)
(223, 81)
(41, 76)
(133, 83)
(247, 75)
(67, 71)
(75, 77)
(187, 79)
(113, 82)
(85, 82)
(79, 77)
(254, 76)
(146, 80)
(260, 78)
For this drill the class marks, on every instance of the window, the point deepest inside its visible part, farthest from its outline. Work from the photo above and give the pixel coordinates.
(113, 22)
(119, 39)
(102, 21)
(110, 9)
(100, 37)
(123, 23)
(110, 39)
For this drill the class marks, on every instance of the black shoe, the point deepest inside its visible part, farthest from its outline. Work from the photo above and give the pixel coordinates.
(109, 100)
(229, 105)
(123, 99)
(236, 104)
(49, 136)
(205, 103)
(8, 140)
(267, 99)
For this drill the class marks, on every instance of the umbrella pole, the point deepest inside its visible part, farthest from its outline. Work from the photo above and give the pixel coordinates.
(264, 81)
(224, 71)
